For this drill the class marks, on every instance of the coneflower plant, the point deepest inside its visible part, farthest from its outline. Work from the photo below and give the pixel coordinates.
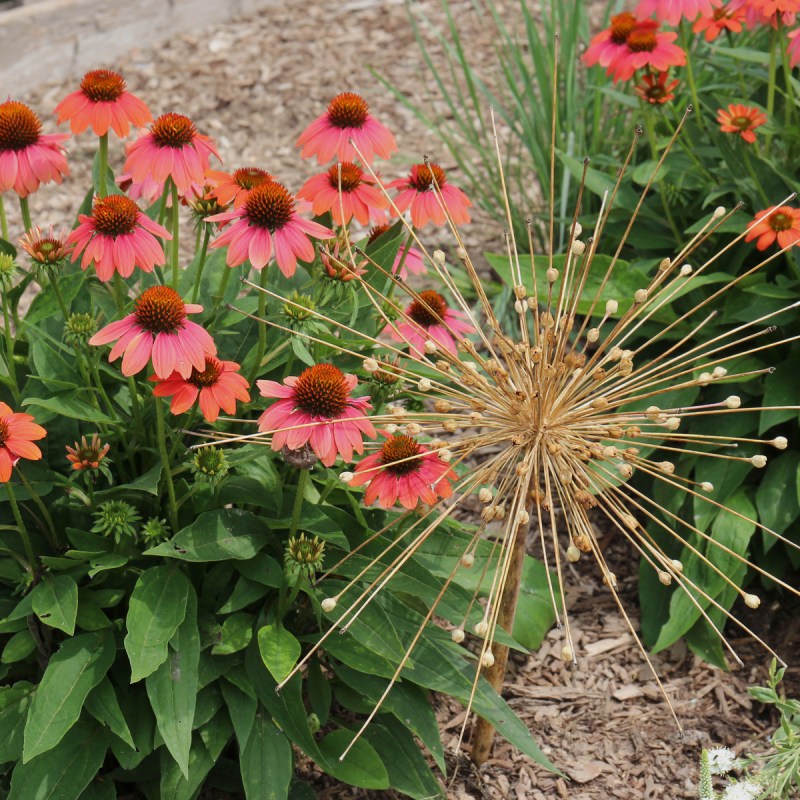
(545, 421)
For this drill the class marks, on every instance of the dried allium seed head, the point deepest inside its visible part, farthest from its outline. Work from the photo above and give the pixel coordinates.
(487, 659)
(328, 604)
(578, 247)
(752, 600)
(758, 461)
(457, 635)
(573, 554)
(733, 401)
(482, 628)
(780, 442)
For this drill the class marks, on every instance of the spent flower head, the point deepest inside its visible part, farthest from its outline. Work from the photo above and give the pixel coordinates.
(49, 249)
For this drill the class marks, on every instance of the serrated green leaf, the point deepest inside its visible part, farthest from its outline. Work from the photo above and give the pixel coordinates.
(216, 536)
(55, 602)
(78, 666)
(156, 609)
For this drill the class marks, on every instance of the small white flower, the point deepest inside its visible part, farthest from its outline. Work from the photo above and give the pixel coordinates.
(746, 790)
(721, 760)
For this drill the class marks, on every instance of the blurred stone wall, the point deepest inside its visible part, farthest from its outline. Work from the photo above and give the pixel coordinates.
(47, 40)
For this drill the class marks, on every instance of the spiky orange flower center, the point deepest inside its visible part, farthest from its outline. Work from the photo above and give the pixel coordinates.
(642, 41)
(352, 176)
(269, 205)
(397, 455)
(621, 27)
(742, 122)
(321, 390)
(376, 232)
(160, 309)
(347, 110)
(173, 130)
(19, 126)
(423, 176)
(115, 215)
(781, 221)
(209, 376)
(429, 309)
(250, 177)
(103, 85)
(44, 249)
(3, 432)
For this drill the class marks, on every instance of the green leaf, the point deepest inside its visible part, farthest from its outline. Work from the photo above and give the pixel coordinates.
(103, 705)
(172, 688)
(67, 405)
(103, 789)
(66, 770)
(781, 388)
(55, 602)
(235, 635)
(216, 536)
(156, 609)
(72, 673)
(266, 761)
(279, 650)
(777, 507)
(18, 647)
(242, 711)
(173, 784)
(14, 704)
(361, 767)
(147, 482)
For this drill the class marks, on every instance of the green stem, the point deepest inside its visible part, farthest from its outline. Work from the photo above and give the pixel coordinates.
(3, 220)
(9, 338)
(651, 137)
(120, 293)
(771, 84)
(402, 261)
(102, 176)
(175, 236)
(26, 213)
(690, 75)
(789, 101)
(262, 328)
(202, 263)
(162, 449)
(302, 480)
(218, 297)
(23, 531)
(59, 297)
(756, 182)
(174, 451)
(50, 531)
(137, 410)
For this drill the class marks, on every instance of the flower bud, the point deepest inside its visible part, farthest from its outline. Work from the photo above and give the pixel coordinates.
(780, 442)
(759, 462)
(487, 659)
(457, 635)
(328, 604)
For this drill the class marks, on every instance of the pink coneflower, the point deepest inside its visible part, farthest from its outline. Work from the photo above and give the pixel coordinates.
(673, 11)
(17, 434)
(347, 118)
(172, 148)
(306, 408)
(158, 328)
(28, 157)
(117, 237)
(103, 102)
(610, 43)
(741, 119)
(218, 385)
(724, 18)
(767, 12)
(783, 224)
(419, 192)
(654, 88)
(413, 263)
(793, 48)
(359, 196)
(646, 46)
(233, 187)
(403, 470)
(268, 217)
(429, 318)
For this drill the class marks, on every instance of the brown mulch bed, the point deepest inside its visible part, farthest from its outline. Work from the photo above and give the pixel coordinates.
(253, 84)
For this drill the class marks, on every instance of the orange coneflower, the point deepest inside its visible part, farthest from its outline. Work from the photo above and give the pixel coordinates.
(741, 119)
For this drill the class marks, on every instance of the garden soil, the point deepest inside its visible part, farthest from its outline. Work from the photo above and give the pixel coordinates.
(253, 84)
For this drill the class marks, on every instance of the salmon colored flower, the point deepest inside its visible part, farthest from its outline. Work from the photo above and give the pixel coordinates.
(87, 455)
(724, 18)
(17, 434)
(793, 48)
(783, 224)
(654, 88)
(413, 263)
(419, 192)
(673, 11)
(429, 318)
(117, 237)
(28, 157)
(403, 470)
(266, 223)
(610, 43)
(646, 46)
(158, 329)
(47, 249)
(316, 408)
(359, 196)
(740, 119)
(235, 186)
(347, 118)
(768, 12)
(103, 102)
(172, 148)
(218, 385)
